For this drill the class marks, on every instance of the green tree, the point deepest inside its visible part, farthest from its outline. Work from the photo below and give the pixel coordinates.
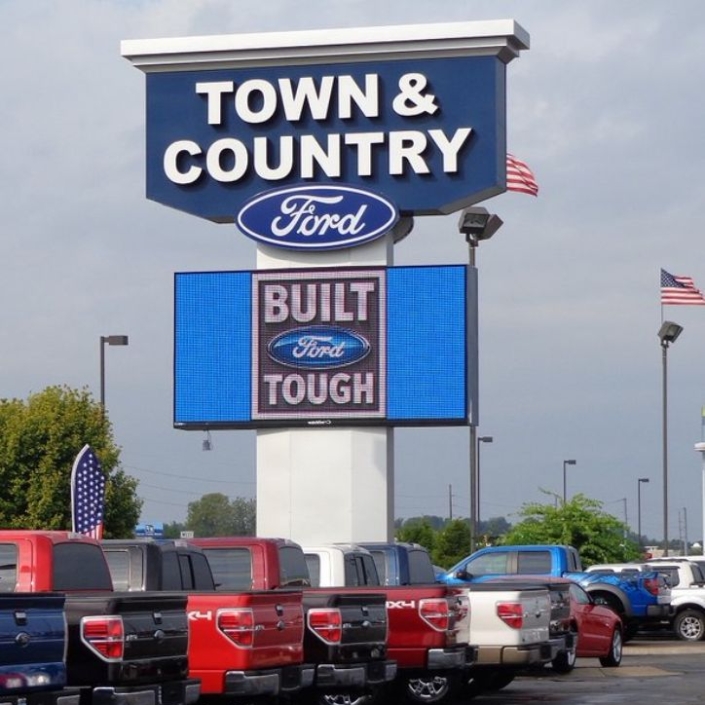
(581, 522)
(39, 441)
(452, 543)
(173, 530)
(418, 530)
(215, 515)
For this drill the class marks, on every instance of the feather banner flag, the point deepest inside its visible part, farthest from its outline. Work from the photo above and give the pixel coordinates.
(87, 494)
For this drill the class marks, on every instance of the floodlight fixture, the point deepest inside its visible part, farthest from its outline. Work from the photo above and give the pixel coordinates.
(669, 332)
(477, 223)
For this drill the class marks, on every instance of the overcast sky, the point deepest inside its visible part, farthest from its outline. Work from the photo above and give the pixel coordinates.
(608, 109)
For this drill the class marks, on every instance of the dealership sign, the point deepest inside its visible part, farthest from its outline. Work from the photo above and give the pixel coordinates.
(315, 347)
(416, 113)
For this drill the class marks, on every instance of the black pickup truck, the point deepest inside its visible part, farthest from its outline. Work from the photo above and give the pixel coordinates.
(123, 648)
(32, 650)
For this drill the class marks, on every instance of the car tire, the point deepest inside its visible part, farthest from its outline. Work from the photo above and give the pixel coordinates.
(344, 699)
(565, 661)
(614, 657)
(429, 689)
(689, 625)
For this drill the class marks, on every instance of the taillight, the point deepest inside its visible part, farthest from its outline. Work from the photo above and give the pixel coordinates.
(460, 607)
(238, 625)
(326, 623)
(435, 611)
(511, 613)
(105, 636)
(652, 585)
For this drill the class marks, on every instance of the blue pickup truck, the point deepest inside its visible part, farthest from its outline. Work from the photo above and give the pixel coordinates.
(640, 600)
(32, 650)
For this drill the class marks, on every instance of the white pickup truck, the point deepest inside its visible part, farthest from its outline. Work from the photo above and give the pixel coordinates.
(686, 581)
(509, 626)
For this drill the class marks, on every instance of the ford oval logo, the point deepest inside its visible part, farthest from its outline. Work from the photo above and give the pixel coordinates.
(318, 347)
(317, 217)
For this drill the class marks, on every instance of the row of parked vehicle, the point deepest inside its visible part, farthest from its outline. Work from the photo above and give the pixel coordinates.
(144, 622)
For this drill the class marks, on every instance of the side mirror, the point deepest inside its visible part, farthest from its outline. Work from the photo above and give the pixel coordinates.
(462, 574)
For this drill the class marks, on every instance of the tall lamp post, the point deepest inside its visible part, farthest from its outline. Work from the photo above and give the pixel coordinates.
(565, 484)
(638, 506)
(700, 447)
(480, 439)
(668, 333)
(477, 224)
(107, 340)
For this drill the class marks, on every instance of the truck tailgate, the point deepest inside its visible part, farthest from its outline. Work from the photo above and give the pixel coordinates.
(363, 621)
(245, 630)
(522, 614)
(155, 637)
(33, 637)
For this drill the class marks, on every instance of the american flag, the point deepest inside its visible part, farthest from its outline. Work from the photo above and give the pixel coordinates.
(87, 494)
(520, 177)
(678, 290)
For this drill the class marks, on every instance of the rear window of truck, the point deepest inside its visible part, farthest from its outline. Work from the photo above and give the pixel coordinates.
(292, 567)
(313, 563)
(231, 568)
(8, 567)
(420, 568)
(80, 566)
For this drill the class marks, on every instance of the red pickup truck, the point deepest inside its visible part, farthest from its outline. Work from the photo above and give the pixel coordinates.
(242, 645)
(346, 632)
(424, 621)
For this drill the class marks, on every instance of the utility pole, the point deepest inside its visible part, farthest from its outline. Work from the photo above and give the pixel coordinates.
(450, 502)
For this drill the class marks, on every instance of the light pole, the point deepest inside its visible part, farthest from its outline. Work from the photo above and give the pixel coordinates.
(668, 333)
(565, 492)
(107, 340)
(477, 224)
(638, 506)
(700, 447)
(480, 439)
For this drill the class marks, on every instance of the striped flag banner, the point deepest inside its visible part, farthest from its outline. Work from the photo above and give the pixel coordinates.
(520, 178)
(677, 290)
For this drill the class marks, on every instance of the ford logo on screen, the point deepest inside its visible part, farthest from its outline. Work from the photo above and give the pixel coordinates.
(317, 217)
(318, 347)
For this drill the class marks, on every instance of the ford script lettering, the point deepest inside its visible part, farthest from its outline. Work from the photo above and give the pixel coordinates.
(317, 217)
(318, 347)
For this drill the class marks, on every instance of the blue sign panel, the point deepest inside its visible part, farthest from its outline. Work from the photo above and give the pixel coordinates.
(361, 345)
(428, 133)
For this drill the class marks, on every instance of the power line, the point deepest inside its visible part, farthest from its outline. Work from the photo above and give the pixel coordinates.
(189, 477)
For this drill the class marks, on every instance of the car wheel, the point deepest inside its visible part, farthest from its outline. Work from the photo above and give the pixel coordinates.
(689, 625)
(614, 657)
(344, 699)
(431, 689)
(565, 661)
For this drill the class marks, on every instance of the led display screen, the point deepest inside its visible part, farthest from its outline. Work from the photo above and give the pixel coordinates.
(316, 347)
